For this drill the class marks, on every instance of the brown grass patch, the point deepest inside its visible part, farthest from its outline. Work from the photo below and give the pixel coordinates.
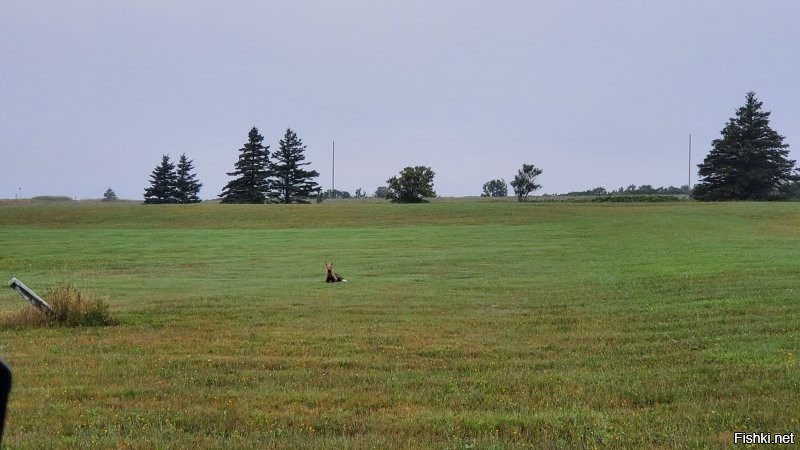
(70, 307)
(786, 225)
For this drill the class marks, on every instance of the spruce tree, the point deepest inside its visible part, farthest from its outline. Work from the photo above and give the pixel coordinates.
(290, 183)
(749, 162)
(109, 195)
(162, 183)
(186, 184)
(251, 172)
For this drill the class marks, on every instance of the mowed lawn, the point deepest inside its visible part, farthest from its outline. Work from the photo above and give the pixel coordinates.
(464, 324)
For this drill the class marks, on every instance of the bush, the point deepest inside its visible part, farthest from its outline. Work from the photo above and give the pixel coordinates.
(53, 198)
(70, 309)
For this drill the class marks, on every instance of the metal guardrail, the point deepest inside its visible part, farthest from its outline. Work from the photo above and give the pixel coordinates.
(31, 296)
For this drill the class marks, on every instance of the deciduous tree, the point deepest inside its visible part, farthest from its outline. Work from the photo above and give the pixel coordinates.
(414, 185)
(380, 192)
(495, 188)
(525, 181)
(335, 193)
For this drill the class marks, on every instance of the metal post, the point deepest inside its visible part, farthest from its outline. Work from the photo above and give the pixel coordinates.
(690, 162)
(31, 296)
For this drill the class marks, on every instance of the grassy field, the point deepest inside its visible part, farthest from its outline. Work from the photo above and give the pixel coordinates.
(464, 324)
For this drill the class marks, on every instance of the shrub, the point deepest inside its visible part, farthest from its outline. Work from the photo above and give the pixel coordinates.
(70, 309)
(53, 198)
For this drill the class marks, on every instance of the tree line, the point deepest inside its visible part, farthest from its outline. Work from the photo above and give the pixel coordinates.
(170, 184)
(645, 189)
(749, 162)
(259, 176)
(524, 183)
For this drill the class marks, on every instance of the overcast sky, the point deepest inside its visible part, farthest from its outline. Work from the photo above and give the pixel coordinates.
(596, 93)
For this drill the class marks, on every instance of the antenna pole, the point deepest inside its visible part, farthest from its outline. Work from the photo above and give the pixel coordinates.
(690, 162)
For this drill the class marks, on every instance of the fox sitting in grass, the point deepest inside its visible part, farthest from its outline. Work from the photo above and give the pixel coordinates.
(330, 274)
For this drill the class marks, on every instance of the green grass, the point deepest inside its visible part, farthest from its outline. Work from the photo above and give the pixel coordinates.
(464, 324)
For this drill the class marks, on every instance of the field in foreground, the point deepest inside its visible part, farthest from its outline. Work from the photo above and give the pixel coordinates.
(463, 325)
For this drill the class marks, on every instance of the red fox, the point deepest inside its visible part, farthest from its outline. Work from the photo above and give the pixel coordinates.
(330, 275)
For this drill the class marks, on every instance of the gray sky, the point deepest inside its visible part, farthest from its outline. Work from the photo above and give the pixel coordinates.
(596, 93)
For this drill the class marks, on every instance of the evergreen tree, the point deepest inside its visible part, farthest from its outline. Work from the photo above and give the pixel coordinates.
(162, 183)
(109, 195)
(251, 170)
(290, 183)
(186, 184)
(749, 162)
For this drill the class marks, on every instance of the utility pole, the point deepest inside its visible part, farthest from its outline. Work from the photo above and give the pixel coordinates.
(333, 168)
(690, 162)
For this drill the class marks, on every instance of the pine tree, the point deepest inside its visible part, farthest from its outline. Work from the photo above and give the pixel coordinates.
(109, 195)
(749, 162)
(251, 170)
(162, 183)
(186, 184)
(290, 183)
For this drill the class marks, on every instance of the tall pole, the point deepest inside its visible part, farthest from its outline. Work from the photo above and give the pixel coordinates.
(690, 162)
(333, 168)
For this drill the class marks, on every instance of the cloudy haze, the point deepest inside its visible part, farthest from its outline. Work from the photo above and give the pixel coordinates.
(92, 93)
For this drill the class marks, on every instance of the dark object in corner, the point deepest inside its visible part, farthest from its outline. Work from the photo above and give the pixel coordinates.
(5, 388)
